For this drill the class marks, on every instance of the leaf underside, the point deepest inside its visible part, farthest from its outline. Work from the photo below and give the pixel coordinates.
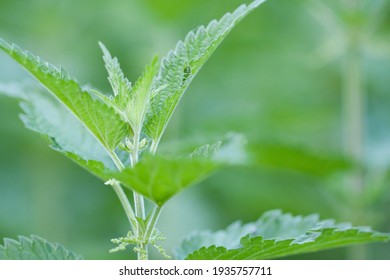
(100, 120)
(46, 115)
(274, 235)
(181, 65)
(34, 248)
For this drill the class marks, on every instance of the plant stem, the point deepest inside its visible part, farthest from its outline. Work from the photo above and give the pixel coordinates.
(353, 109)
(143, 252)
(353, 106)
(125, 204)
(121, 194)
(118, 163)
(139, 203)
(353, 112)
(138, 199)
(153, 147)
(152, 222)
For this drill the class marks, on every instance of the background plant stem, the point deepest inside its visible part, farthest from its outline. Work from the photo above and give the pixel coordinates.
(354, 114)
(354, 119)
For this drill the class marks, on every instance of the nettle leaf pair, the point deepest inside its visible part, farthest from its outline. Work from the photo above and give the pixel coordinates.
(116, 138)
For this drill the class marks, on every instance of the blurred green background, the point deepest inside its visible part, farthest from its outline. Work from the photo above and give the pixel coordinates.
(306, 81)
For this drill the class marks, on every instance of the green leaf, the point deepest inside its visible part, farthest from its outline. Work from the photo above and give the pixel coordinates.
(100, 120)
(275, 235)
(181, 65)
(46, 115)
(95, 167)
(34, 248)
(130, 103)
(281, 156)
(140, 97)
(159, 178)
(119, 83)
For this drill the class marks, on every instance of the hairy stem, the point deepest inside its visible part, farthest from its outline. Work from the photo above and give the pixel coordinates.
(138, 199)
(153, 147)
(121, 194)
(118, 163)
(143, 252)
(143, 247)
(125, 204)
(152, 222)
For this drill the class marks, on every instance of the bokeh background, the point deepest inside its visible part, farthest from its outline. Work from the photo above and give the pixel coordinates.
(306, 81)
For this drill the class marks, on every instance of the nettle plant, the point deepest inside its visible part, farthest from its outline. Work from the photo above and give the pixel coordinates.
(116, 138)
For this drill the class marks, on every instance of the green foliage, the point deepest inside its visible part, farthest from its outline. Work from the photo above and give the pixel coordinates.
(273, 155)
(130, 239)
(101, 121)
(34, 248)
(107, 134)
(46, 115)
(159, 178)
(181, 65)
(95, 167)
(275, 235)
(121, 86)
(129, 102)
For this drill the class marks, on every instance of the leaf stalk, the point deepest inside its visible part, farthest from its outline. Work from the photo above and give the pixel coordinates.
(125, 204)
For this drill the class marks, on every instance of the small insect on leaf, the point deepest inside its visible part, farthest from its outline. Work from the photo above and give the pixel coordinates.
(187, 73)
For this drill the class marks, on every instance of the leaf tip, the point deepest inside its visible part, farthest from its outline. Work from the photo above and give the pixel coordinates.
(104, 49)
(257, 3)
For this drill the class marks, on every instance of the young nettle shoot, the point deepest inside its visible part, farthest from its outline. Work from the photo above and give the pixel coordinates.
(116, 137)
